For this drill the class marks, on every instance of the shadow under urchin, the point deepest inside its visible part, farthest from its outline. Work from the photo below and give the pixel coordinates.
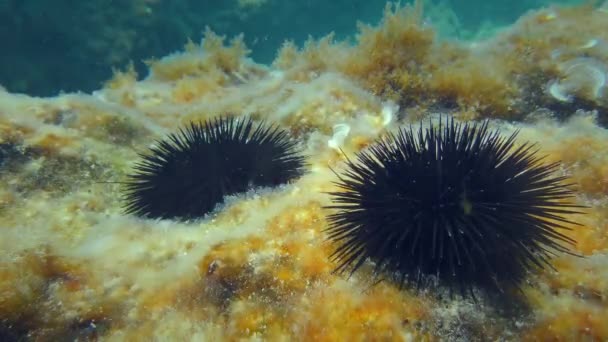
(456, 205)
(186, 175)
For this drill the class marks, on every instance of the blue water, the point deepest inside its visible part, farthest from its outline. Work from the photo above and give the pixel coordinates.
(53, 46)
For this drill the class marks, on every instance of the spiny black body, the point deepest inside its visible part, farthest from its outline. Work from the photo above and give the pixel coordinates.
(458, 204)
(187, 174)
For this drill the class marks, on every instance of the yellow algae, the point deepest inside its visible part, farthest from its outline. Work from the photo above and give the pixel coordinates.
(479, 89)
(122, 79)
(585, 153)
(53, 142)
(592, 237)
(589, 283)
(574, 324)
(210, 56)
(189, 89)
(379, 314)
(401, 59)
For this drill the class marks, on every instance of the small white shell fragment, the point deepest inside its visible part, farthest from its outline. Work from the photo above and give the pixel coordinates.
(340, 133)
(591, 43)
(557, 91)
(550, 16)
(100, 95)
(584, 74)
(388, 112)
(277, 74)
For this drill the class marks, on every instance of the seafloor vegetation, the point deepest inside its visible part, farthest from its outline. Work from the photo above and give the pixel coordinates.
(73, 265)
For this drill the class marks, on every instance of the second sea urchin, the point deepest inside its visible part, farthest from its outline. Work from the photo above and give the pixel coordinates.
(187, 174)
(458, 204)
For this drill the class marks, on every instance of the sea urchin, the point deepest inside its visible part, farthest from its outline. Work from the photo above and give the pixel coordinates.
(187, 174)
(458, 204)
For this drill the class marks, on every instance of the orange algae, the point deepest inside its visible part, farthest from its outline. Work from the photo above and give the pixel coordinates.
(280, 266)
(248, 275)
(382, 314)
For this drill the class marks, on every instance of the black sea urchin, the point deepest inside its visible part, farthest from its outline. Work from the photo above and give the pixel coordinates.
(186, 175)
(458, 203)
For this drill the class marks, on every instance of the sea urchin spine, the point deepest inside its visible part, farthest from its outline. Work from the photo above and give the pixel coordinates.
(187, 174)
(459, 204)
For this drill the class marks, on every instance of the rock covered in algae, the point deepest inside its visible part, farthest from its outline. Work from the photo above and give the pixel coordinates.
(75, 266)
